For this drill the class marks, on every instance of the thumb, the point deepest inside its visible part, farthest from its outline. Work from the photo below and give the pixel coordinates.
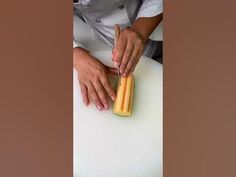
(115, 58)
(111, 70)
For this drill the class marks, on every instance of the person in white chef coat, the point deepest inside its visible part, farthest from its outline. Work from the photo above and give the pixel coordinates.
(137, 20)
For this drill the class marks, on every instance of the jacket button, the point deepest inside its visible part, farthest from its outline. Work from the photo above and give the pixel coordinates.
(98, 20)
(121, 6)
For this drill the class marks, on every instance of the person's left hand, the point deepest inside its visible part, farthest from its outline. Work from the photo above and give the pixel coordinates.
(128, 50)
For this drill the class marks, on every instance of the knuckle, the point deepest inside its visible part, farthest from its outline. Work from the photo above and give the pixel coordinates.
(131, 65)
(92, 92)
(119, 57)
(87, 83)
(103, 98)
(133, 34)
(99, 72)
(122, 67)
(111, 92)
(120, 43)
(105, 84)
(95, 79)
(96, 100)
(133, 60)
(100, 91)
(103, 72)
(128, 66)
(83, 89)
(104, 102)
(125, 31)
(128, 52)
(139, 41)
(82, 81)
(120, 47)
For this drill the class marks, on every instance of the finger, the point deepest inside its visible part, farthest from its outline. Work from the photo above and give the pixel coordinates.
(107, 87)
(111, 70)
(94, 96)
(136, 61)
(119, 50)
(112, 54)
(133, 59)
(101, 93)
(84, 94)
(127, 55)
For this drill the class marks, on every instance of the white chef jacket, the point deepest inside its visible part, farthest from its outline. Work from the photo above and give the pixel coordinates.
(102, 15)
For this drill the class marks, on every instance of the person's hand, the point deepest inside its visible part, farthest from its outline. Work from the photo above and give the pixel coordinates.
(128, 50)
(131, 42)
(92, 75)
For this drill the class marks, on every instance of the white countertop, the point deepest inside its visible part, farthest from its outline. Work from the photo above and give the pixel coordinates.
(106, 145)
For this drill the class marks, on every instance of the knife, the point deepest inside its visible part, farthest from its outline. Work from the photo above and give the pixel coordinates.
(117, 34)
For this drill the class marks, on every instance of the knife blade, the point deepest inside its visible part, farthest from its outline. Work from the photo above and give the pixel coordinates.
(117, 34)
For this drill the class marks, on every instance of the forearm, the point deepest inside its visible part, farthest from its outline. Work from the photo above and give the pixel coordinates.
(78, 55)
(144, 26)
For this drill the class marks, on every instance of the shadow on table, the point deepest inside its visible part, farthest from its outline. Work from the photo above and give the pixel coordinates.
(158, 55)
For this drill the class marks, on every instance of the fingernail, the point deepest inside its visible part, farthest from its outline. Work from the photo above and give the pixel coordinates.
(99, 107)
(113, 98)
(106, 106)
(124, 75)
(116, 64)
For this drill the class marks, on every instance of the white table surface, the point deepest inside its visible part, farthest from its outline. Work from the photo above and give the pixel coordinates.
(106, 145)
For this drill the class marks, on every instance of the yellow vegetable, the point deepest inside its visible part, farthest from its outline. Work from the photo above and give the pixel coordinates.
(124, 100)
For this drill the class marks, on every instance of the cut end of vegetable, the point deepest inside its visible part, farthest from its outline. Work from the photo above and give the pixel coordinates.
(124, 101)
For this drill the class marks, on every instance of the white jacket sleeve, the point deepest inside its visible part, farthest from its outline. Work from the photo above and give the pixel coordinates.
(76, 20)
(150, 8)
(77, 44)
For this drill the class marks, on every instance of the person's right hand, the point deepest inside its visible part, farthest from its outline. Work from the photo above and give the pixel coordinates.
(92, 75)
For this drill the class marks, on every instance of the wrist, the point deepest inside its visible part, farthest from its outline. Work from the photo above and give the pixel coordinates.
(140, 33)
(80, 51)
(79, 54)
(144, 26)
